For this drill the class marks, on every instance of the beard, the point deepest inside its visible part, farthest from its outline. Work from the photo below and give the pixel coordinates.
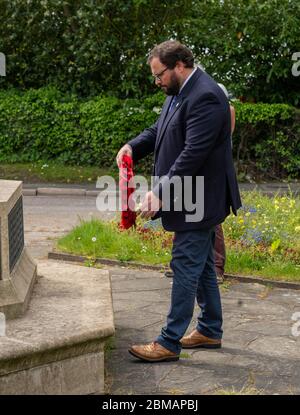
(173, 87)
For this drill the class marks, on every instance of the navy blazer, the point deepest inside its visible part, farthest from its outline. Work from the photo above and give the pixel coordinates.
(194, 139)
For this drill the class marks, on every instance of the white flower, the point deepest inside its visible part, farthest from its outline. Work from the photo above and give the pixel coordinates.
(94, 239)
(157, 110)
(138, 207)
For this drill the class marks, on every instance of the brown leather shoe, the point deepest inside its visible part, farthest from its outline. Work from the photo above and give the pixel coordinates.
(198, 340)
(153, 352)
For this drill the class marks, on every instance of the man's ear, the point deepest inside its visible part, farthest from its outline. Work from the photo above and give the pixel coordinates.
(180, 66)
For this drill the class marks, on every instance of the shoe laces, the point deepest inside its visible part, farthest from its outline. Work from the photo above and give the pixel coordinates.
(152, 346)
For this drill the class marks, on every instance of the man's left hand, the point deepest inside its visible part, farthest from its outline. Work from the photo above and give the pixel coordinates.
(151, 204)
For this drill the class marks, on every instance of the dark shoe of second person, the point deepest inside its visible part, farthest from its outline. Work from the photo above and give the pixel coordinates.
(220, 278)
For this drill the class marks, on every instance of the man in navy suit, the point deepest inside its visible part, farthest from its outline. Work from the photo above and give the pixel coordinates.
(190, 140)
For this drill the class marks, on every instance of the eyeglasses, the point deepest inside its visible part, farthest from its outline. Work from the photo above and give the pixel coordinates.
(159, 75)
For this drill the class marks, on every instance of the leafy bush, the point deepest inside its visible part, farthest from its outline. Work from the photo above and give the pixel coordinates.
(45, 125)
(248, 45)
(266, 140)
(91, 47)
(88, 47)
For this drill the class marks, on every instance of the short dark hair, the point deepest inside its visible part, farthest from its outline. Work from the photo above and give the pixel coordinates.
(170, 52)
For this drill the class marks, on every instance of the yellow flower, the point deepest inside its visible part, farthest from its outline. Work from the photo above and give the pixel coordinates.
(297, 228)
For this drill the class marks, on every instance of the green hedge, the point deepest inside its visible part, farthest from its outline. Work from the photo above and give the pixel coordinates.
(46, 125)
(266, 142)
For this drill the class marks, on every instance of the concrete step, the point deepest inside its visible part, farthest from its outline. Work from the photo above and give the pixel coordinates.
(57, 347)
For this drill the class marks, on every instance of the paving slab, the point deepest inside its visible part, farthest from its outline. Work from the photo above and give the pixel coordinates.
(259, 351)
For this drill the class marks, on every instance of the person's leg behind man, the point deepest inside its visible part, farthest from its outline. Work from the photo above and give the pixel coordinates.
(220, 253)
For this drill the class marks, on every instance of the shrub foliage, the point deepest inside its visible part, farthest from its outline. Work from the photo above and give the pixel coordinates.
(100, 46)
(45, 124)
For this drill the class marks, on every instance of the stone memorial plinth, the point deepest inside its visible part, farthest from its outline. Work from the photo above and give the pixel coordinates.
(17, 269)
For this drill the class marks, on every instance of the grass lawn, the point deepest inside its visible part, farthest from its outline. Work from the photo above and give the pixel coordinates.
(43, 172)
(263, 240)
(103, 239)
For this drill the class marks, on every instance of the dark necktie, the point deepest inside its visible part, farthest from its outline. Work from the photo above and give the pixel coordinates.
(173, 103)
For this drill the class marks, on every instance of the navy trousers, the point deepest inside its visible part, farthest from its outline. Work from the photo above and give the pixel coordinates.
(194, 278)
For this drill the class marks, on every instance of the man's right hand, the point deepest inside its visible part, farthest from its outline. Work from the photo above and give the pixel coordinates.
(124, 150)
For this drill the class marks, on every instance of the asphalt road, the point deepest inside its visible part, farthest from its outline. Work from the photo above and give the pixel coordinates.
(48, 217)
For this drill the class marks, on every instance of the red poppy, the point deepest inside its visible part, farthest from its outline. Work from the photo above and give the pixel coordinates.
(128, 216)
